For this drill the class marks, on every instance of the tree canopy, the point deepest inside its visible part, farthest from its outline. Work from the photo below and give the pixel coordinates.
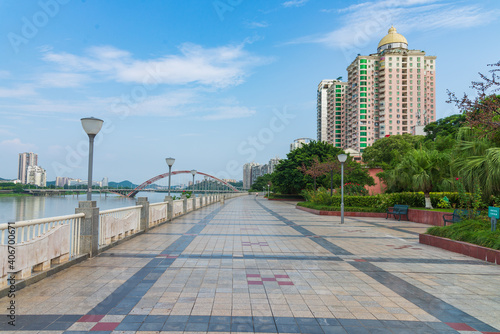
(388, 151)
(288, 179)
(261, 183)
(482, 111)
(444, 127)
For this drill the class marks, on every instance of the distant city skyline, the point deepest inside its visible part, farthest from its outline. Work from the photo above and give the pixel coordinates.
(214, 88)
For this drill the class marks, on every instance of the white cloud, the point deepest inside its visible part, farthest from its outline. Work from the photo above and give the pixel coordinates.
(16, 145)
(294, 3)
(255, 24)
(62, 79)
(17, 92)
(367, 22)
(219, 67)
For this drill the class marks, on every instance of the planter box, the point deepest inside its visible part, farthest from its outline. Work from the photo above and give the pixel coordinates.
(460, 247)
(426, 217)
(417, 216)
(346, 214)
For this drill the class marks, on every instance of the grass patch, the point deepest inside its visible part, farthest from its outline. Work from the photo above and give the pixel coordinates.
(474, 231)
(337, 208)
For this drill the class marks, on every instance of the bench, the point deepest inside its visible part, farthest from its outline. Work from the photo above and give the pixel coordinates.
(399, 210)
(457, 215)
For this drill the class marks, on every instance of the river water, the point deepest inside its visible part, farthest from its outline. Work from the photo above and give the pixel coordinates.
(14, 209)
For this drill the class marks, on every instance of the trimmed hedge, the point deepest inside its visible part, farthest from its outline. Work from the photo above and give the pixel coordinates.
(476, 232)
(286, 196)
(417, 199)
(383, 201)
(337, 208)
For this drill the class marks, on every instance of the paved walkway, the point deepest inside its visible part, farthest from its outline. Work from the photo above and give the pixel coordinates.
(261, 266)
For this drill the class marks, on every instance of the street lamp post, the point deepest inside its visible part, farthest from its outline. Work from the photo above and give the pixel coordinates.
(193, 172)
(342, 159)
(331, 182)
(268, 190)
(92, 126)
(170, 163)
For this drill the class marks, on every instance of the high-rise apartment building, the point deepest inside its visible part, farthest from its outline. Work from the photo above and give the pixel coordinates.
(247, 174)
(387, 93)
(336, 116)
(330, 104)
(25, 160)
(322, 109)
(36, 175)
(298, 143)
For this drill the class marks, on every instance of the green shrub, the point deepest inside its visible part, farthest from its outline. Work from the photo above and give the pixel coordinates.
(417, 199)
(322, 207)
(474, 231)
(382, 201)
(287, 196)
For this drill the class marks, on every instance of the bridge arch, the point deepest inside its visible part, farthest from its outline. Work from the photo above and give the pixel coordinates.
(161, 176)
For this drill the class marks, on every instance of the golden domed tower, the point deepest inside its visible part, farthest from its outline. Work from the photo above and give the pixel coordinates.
(392, 40)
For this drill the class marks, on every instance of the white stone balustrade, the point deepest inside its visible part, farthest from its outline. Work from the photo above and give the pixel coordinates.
(39, 244)
(178, 207)
(158, 213)
(117, 224)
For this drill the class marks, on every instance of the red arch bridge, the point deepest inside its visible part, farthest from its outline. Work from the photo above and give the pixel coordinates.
(161, 176)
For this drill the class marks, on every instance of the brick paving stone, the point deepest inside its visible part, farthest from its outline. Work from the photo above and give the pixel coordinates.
(253, 265)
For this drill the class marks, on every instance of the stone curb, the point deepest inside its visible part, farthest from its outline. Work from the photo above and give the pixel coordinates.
(461, 247)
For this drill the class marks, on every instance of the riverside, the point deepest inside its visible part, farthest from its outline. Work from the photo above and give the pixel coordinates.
(17, 208)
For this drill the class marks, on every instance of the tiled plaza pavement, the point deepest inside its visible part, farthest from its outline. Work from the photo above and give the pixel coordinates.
(253, 265)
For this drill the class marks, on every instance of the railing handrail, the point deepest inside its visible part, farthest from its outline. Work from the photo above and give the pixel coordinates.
(120, 209)
(157, 204)
(41, 221)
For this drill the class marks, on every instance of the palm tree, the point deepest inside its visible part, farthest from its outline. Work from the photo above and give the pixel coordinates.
(477, 162)
(421, 170)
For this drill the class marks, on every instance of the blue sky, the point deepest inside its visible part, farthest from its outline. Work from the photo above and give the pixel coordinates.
(214, 84)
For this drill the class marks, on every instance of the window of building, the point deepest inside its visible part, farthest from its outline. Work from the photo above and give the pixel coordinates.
(362, 61)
